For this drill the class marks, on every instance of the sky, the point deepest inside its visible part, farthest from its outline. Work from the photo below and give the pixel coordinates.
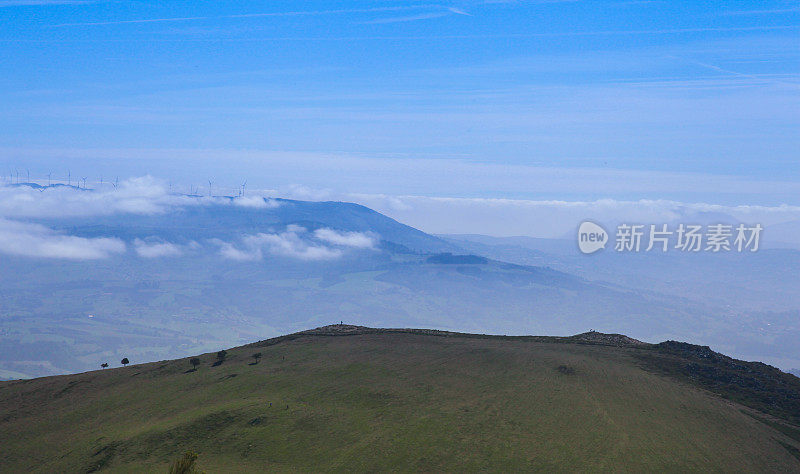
(463, 102)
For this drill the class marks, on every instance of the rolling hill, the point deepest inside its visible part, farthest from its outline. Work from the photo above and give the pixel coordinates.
(356, 398)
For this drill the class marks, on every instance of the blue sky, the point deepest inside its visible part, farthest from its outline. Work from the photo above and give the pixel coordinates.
(685, 100)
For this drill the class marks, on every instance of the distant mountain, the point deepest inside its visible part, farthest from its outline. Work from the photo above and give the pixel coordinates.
(343, 398)
(225, 220)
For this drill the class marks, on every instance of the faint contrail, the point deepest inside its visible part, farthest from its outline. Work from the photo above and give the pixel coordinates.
(429, 37)
(741, 74)
(761, 12)
(27, 3)
(401, 19)
(249, 15)
(459, 11)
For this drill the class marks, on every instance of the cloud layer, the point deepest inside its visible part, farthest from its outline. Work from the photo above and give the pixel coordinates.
(21, 206)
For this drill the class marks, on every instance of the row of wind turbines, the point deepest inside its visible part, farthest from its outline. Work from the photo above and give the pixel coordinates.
(13, 177)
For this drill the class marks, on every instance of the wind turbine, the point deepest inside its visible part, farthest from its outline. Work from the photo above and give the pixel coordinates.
(209, 188)
(48, 178)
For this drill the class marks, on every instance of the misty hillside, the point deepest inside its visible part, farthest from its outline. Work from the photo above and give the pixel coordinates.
(347, 397)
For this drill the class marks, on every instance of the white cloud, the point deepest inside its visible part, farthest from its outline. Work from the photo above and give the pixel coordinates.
(33, 240)
(290, 244)
(156, 249)
(295, 242)
(346, 239)
(249, 253)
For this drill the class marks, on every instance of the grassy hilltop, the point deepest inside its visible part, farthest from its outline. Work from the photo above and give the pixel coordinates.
(351, 398)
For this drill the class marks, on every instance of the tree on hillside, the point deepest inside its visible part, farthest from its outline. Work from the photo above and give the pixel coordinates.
(125, 361)
(195, 361)
(257, 356)
(104, 365)
(221, 355)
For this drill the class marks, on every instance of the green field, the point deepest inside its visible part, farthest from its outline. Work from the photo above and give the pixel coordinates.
(402, 401)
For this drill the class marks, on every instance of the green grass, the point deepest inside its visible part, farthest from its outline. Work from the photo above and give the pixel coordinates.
(387, 402)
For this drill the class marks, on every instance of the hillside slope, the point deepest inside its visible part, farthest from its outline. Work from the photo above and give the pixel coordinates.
(346, 397)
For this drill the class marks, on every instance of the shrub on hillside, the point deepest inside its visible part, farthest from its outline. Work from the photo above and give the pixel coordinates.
(185, 464)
